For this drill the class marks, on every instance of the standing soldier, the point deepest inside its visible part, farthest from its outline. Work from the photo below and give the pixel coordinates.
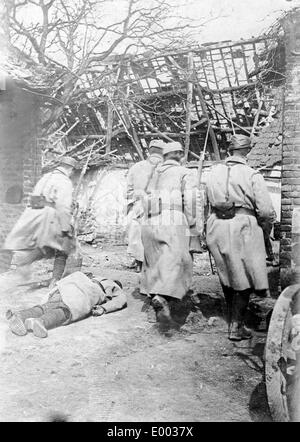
(139, 176)
(44, 229)
(241, 211)
(167, 269)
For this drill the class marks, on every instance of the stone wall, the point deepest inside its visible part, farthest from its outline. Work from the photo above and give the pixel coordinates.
(20, 156)
(291, 152)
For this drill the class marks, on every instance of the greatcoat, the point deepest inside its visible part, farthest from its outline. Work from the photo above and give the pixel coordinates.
(138, 177)
(80, 294)
(167, 268)
(237, 244)
(43, 228)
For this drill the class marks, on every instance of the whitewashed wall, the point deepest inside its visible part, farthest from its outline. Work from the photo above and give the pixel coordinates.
(104, 193)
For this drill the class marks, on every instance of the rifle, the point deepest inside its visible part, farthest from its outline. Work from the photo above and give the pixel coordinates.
(201, 160)
(199, 176)
(268, 246)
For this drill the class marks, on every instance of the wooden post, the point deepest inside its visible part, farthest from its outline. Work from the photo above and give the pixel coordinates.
(211, 131)
(260, 103)
(157, 131)
(128, 126)
(245, 129)
(110, 116)
(110, 111)
(189, 99)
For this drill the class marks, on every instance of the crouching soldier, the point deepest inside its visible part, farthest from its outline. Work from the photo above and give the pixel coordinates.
(74, 297)
(45, 227)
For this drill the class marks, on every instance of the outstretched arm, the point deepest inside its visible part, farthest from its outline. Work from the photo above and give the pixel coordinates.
(116, 300)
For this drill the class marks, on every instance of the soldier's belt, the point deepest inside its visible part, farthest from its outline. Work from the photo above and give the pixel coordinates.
(244, 211)
(164, 206)
(240, 211)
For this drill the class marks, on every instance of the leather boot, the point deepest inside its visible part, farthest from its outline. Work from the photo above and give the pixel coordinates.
(139, 266)
(238, 331)
(228, 295)
(37, 327)
(162, 309)
(151, 314)
(50, 319)
(16, 321)
(58, 268)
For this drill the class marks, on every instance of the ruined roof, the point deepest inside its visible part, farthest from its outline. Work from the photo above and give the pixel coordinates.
(24, 71)
(145, 96)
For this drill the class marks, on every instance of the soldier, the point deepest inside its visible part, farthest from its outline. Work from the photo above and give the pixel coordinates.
(44, 229)
(73, 298)
(167, 268)
(241, 210)
(138, 178)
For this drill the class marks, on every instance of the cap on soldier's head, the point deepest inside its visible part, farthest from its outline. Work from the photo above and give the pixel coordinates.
(174, 146)
(69, 161)
(239, 142)
(159, 144)
(118, 283)
(108, 282)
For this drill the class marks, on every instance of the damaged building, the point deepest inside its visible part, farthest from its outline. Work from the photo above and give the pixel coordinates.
(249, 87)
(21, 91)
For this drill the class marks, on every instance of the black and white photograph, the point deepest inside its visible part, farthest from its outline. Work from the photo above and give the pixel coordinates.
(150, 213)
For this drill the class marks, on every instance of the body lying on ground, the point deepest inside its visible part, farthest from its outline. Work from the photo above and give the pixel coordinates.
(73, 298)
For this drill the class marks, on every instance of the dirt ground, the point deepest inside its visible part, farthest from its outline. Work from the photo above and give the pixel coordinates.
(120, 367)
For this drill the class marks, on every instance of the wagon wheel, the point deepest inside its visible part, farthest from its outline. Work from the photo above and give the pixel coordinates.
(278, 352)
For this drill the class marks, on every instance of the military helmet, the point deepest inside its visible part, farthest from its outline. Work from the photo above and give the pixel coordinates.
(239, 142)
(156, 143)
(174, 146)
(69, 161)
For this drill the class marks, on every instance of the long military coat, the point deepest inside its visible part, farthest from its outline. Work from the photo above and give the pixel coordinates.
(81, 294)
(167, 268)
(137, 179)
(42, 228)
(237, 244)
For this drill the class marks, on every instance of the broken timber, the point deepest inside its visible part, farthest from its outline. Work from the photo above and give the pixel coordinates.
(211, 131)
(189, 99)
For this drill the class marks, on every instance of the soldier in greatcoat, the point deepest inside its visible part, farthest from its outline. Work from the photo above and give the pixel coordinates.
(169, 214)
(73, 298)
(138, 178)
(241, 211)
(44, 229)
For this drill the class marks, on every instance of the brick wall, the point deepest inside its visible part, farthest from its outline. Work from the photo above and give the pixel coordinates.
(20, 157)
(291, 151)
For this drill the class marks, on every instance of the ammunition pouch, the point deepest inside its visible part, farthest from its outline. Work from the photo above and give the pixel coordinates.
(224, 210)
(39, 202)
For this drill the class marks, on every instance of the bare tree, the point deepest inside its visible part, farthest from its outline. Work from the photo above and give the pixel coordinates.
(79, 36)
